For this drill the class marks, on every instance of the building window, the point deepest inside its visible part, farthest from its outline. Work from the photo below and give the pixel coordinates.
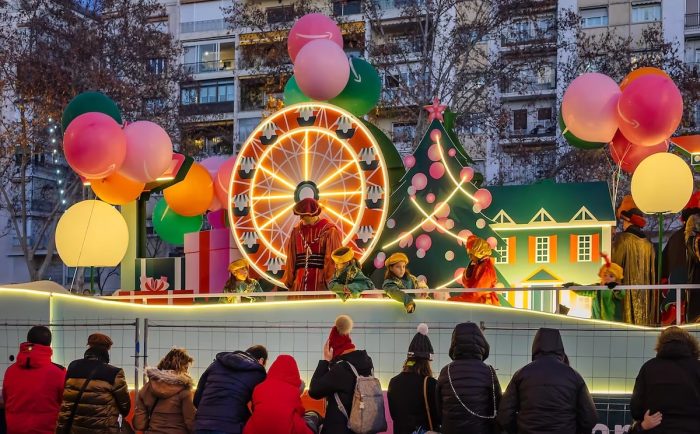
(253, 94)
(156, 66)
(520, 121)
(280, 14)
(246, 127)
(347, 7)
(585, 243)
(542, 250)
(211, 57)
(595, 17)
(208, 92)
(646, 12)
(502, 251)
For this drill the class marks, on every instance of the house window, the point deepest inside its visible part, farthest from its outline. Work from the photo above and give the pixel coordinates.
(502, 251)
(280, 14)
(520, 121)
(646, 12)
(542, 250)
(210, 57)
(585, 243)
(594, 17)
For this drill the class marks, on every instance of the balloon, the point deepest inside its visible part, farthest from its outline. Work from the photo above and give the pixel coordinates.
(149, 151)
(589, 107)
(650, 109)
(423, 242)
(191, 196)
(363, 90)
(222, 182)
(640, 72)
(627, 155)
(309, 28)
(213, 164)
(662, 183)
(92, 233)
(321, 70)
(117, 189)
(292, 93)
(94, 145)
(172, 227)
(483, 198)
(573, 140)
(90, 102)
(215, 204)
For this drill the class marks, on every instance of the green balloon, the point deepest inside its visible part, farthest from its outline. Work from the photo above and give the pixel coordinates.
(172, 227)
(363, 90)
(575, 141)
(292, 93)
(90, 102)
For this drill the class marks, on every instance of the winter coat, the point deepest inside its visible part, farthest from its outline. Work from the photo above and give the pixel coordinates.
(670, 383)
(224, 390)
(474, 382)
(277, 404)
(33, 390)
(164, 405)
(337, 377)
(104, 399)
(547, 395)
(407, 403)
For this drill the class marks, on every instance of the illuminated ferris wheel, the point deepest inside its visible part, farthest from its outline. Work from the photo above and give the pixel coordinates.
(306, 150)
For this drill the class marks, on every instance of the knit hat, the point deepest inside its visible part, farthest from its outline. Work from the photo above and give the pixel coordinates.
(420, 346)
(342, 255)
(100, 340)
(339, 339)
(308, 207)
(478, 247)
(395, 258)
(237, 265)
(610, 267)
(628, 211)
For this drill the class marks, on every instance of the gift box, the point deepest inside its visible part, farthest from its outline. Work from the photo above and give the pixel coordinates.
(166, 274)
(207, 256)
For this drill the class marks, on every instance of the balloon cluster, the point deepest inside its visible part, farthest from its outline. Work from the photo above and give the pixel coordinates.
(323, 72)
(635, 119)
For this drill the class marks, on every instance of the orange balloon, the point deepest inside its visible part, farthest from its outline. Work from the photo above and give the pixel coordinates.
(117, 189)
(644, 70)
(193, 195)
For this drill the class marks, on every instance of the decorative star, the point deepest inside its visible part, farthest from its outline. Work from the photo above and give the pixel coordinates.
(435, 110)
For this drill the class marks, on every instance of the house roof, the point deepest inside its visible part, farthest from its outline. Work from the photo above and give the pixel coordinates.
(542, 275)
(562, 202)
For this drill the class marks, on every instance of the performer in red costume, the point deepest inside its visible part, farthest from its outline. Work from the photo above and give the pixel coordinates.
(309, 264)
(481, 273)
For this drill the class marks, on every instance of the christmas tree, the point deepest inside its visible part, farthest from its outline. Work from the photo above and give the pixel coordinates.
(435, 207)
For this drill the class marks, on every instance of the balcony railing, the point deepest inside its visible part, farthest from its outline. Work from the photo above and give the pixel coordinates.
(541, 129)
(692, 21)
(348, 7)
(202, 26)
(396, 4)
(523, 85)
(399, 46)
(209, 66)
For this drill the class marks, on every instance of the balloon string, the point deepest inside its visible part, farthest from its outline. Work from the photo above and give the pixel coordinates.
(82, 245)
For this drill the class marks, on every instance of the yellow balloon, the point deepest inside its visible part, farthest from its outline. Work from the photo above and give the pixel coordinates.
(92, 233)
(662, 183)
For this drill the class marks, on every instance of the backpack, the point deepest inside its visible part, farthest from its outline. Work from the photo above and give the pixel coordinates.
(367, 412)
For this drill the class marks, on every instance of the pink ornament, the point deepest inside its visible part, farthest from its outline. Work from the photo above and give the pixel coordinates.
(420, 253)
(442, 210)
(222, 182)
(481, 223)
(492, 242)
(378, 263)
(430, 198)
(390, 223)
(419, 181)
(411, 190)
(405, 240)
(424, 242)
(458, 273)
(464, 235)
(321, 69)
(483, 198)
(428, 226)
(589, 107)
(627, 155)
(409, 161)
(449, 255)
(434, 152)
(449, 224)
(650, 109)
(437, 170)
(149, 151)
(466, 174)
(94, 145)
(452, 152)
(312, 27)
(435, 135)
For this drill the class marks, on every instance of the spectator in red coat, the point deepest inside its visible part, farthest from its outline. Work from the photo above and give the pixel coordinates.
(277, 404)
(33, 386)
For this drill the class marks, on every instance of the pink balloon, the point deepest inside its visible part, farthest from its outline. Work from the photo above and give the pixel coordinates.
(222, 181)
(423, 242)
(650, 110)
(589, 107)
(419, 181)
(435, 135)
(321, 69)
(483, 197)
(466, 174)
(409, 161)
(627, 155)
(215, 204)
(442, 210)
(213, 164)
(309, 28)
(437, 170)
(94, 145)
(149, 151)
(434, 152)
(492, 242)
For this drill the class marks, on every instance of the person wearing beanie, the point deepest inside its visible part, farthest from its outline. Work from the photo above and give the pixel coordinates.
(105, 398)
(397, 278)
(32, 387)
(240, 282)
(411, 393)
(481, 273)
(348, 280)
(607, 304)
(334, 375)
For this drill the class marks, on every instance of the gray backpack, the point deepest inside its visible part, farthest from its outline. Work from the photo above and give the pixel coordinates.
(367, 412)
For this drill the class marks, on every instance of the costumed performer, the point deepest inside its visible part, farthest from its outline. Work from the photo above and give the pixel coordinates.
(692, 242)
(606, 304)
(397, 278)
(240, 282)
(480, 273)
(348, 280)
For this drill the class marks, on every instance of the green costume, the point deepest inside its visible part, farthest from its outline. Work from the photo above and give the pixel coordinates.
(393, 287)
(349, 282)
(234, 286)
(606, 304)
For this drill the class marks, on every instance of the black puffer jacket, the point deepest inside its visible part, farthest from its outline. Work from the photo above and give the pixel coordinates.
(474, 381)
(337, 377)
(670, 383)
(547, 395)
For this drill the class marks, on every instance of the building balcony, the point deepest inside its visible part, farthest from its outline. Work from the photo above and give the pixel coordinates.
(692, 23)
(347, 7)
(544, 134)
(206, 108)
(203, 26)
(209, 66)
(523, 89)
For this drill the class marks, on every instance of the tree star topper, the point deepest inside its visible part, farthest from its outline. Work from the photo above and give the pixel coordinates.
(435, 110)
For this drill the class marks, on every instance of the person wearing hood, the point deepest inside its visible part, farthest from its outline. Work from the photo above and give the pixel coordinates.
(105, 394)
(277, 406)
(334, 375)
(547, 395)
(164, 404)
(670, 384)
(411, 394)
(225, 389)
(468, 391)
(32, 388)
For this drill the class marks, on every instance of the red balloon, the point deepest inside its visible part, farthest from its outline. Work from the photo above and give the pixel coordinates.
(94, 145)
(627, 155)
(650, 109)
